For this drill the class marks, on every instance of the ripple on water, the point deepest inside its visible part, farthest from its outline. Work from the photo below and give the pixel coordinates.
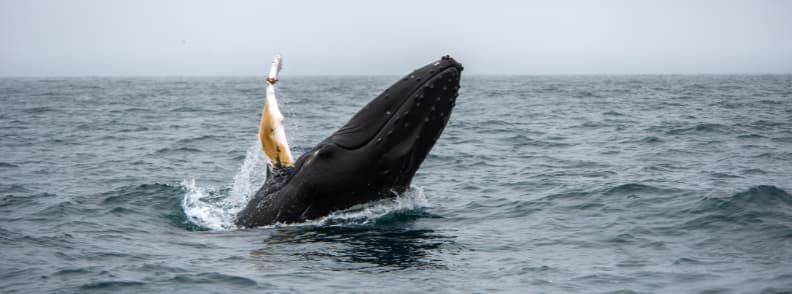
(651, 140)
(15, 189)
(38, 110)
(613, 113)
(74, 271)
(702, 128)
(198, 139)
(214, 278)
(180, 150)
(750, 137)
(8, 165)
(112, 286)
(141, 203)
(635, 188)
(189, 109)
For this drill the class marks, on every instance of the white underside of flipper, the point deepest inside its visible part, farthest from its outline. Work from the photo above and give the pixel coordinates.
(272, 133)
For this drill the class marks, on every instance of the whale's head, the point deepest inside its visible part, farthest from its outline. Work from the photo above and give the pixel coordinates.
(381, 147)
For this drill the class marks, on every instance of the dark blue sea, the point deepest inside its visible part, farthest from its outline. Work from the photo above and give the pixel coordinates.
(557, 184)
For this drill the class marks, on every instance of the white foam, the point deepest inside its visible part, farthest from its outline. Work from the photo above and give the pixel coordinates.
(213, 209)
(412, 199)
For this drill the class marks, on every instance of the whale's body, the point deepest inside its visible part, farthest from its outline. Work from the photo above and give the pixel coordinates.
(375, 155)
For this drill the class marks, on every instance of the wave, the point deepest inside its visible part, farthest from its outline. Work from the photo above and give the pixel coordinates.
(139, 195)
(13, 188)
(585, 94)
(635, 188)
(36, 110)
(189, 109)
(136, 109)
(613, 113)
(135, 204)
(650, 140)
(178, 150)
(699, 128)
(111, 285)
(783, 139)
(754, 206)
(522, 140)
(197, 139)
(60, 210)
(8, 165)
(213, 278)
(750, 136)
(761, 197)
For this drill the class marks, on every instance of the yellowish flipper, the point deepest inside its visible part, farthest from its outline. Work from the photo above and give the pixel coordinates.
(271, 132)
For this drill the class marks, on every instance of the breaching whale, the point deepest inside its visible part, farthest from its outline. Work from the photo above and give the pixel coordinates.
(374, 156)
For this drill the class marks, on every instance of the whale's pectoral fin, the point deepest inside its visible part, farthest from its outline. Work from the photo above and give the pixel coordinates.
(272, 134)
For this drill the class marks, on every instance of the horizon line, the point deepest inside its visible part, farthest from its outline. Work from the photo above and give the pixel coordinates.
(388, 75)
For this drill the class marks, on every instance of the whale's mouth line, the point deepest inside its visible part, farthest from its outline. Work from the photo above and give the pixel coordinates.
(394, 113)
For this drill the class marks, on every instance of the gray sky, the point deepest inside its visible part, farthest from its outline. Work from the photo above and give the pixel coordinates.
(100, 37)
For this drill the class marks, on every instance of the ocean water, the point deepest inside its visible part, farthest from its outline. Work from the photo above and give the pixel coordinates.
(572, 184)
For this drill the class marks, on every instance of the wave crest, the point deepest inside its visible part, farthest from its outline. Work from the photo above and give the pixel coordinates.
(757, 197)
(757, 206)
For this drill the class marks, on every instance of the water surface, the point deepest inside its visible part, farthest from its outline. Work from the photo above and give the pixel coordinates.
(539, 184)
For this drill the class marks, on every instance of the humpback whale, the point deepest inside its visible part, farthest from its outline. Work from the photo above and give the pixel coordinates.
(374, 156)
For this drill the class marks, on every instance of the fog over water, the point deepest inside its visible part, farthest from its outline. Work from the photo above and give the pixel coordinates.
(74, 38)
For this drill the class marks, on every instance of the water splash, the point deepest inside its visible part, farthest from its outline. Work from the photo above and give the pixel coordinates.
(413, 199)
(215, 209)
(367, 213)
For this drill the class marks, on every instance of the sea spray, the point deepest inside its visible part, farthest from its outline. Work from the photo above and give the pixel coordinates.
(215, 209)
